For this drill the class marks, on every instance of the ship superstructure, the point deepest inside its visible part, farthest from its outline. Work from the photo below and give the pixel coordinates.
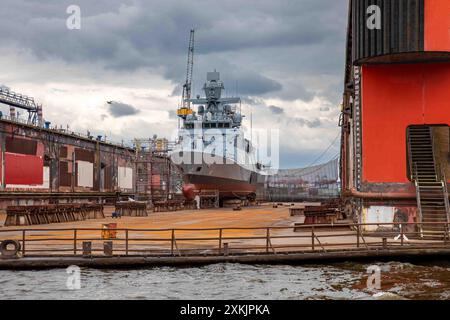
(212, 151)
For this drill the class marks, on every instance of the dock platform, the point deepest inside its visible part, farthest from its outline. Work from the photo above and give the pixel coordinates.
(256, 235)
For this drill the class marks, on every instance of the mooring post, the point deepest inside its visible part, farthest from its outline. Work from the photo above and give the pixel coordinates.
(172, 242)
(312, 237)
(220, 241)
(401, 234)
(75, 241)
(358, 232)
(267, 239)
(225, 249)
(126, 242)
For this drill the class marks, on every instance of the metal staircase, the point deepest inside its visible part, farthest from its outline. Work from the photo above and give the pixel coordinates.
(431, 185)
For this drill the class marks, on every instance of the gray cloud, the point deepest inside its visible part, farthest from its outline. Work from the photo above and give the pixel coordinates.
(119, 109)
(276, 110)
(249, 42)
(284, 50)
(314, 123)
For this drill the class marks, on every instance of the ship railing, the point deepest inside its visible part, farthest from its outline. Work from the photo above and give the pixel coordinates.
(301, 238)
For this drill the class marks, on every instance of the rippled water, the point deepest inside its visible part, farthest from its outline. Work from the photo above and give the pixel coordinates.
(233, 281)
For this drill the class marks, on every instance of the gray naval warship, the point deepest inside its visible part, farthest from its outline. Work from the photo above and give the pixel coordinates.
(212, 152)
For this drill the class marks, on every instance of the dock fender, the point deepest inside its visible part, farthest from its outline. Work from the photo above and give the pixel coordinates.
(8, 252)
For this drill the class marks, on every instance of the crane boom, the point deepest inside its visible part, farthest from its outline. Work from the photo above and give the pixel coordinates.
(187, 86)
(189, 70)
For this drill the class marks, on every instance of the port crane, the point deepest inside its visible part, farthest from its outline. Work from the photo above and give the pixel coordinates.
(16, 100)
(185, 108)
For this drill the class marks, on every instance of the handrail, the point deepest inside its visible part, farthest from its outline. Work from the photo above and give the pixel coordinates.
(323, 225)
(410, 164)
(445, 187)
(33, 242)
(419, 204)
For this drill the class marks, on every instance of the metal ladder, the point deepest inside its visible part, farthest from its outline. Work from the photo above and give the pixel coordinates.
(431, 186)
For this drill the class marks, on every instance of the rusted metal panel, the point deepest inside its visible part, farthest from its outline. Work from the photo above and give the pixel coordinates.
(84, 155)
(108, 184)
(64, 175)
(385, 215)
(22, 146)
(58, 151)
(63, 152)
(23, 169)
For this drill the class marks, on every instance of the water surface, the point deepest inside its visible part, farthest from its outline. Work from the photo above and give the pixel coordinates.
(234, 281)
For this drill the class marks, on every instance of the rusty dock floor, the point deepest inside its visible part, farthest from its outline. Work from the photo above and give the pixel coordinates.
(259, 234)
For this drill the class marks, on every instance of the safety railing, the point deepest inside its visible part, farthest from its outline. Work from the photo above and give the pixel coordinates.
(225, 241)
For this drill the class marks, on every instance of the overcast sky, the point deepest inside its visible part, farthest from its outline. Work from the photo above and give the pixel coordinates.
(285, 58)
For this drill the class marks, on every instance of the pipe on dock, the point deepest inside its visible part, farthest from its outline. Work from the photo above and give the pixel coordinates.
(379, 195)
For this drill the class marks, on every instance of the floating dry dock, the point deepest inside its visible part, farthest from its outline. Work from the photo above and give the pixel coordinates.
(191, 237)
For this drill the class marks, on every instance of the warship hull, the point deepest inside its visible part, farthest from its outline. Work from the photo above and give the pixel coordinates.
(230, 179)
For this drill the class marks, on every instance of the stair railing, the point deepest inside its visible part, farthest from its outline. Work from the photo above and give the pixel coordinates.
(419, 204)
(411, 175)
(436, 165)
(445, 188)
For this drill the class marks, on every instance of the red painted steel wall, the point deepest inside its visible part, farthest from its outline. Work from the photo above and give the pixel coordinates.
(393, 97)
(437, 25)
(23, 169)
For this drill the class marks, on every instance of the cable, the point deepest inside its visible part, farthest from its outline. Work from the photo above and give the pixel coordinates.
(335, 157)
(324, 152)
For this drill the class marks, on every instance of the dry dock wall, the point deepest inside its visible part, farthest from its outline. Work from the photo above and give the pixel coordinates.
(42, 161)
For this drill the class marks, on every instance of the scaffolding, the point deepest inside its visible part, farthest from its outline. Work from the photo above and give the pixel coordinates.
(157, 178)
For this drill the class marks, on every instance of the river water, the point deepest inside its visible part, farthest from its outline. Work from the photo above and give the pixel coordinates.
(235, 281)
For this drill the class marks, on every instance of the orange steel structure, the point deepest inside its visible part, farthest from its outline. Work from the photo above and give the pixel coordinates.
(395, 97)
(396, 76)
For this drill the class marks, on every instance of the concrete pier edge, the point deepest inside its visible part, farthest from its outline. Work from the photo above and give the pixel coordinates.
(186, 261)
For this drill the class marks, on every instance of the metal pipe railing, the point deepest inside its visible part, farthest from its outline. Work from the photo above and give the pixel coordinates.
(35, 241)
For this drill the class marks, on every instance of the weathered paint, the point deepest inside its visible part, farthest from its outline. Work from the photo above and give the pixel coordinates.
(156, 180)
(58, 150)
(388, 214)
(437, 25)
(125, 177)
(85, 174)
(377, 214)
(394, 97)
(23, 169)
(44, 185)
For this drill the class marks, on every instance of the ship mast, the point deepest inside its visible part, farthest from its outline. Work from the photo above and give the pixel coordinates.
(185, 104)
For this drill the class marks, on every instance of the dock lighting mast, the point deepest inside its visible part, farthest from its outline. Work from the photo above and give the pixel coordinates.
(185, 104)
